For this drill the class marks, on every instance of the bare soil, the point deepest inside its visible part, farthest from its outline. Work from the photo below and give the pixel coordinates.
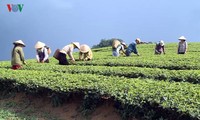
(42, 108)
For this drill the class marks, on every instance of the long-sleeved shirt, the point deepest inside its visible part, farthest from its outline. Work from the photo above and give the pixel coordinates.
(17, 56)
(42, 54)
(68, 49)
(159, 48)
(182, 47)
(131, 48)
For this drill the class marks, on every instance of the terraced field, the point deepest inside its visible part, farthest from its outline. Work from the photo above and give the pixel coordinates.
(146, 87)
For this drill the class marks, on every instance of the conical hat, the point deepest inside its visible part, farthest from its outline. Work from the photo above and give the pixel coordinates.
(115, 43)
(77, 44)
(123, 43)
(84, 48)
(39, 45)
(138, 39)
(162, 43)
(19, 42)
(182, 38)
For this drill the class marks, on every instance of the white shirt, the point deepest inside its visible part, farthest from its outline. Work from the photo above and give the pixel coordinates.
(68, 49)
(46, 55)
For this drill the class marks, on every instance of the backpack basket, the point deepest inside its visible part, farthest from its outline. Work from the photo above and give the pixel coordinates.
(56, 54)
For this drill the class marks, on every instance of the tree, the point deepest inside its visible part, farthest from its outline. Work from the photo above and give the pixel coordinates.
(105, 43)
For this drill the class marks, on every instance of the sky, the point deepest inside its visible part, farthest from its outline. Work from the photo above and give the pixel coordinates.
(60, 22)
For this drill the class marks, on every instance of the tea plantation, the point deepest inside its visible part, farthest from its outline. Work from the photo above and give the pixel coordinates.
(163, 87)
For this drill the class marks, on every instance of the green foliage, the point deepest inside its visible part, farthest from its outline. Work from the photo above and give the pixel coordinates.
(90, 102)
(105, 43)
(169, 82)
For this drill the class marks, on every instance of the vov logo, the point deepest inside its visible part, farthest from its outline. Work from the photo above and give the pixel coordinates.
(15, 7)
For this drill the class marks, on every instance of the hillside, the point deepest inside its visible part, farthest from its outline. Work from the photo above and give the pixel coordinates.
(143, 87)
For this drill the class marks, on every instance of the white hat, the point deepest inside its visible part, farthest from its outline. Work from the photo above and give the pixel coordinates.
(162, 43)
(182, 38)
(39, 45)
(84, 48)
(76, 44)
(138, 39)
(123, 43)
(19, 42)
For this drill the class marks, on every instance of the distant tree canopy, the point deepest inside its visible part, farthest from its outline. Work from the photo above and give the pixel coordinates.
(105, 42)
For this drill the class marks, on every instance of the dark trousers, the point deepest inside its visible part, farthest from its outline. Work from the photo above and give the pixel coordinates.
(62, 59)
(158, 52)
(181, 52)
(128, 52)
(46, 61)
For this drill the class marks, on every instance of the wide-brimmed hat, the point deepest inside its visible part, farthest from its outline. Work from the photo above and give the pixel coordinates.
(39, 45)
(115, 43)
(84, 48)
(123, 43)
(162, 43)
(19, 42)
(138, 39)
(77, 44)
(182, 38)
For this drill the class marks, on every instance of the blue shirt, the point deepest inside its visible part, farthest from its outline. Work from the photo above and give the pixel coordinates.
(131, 48)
